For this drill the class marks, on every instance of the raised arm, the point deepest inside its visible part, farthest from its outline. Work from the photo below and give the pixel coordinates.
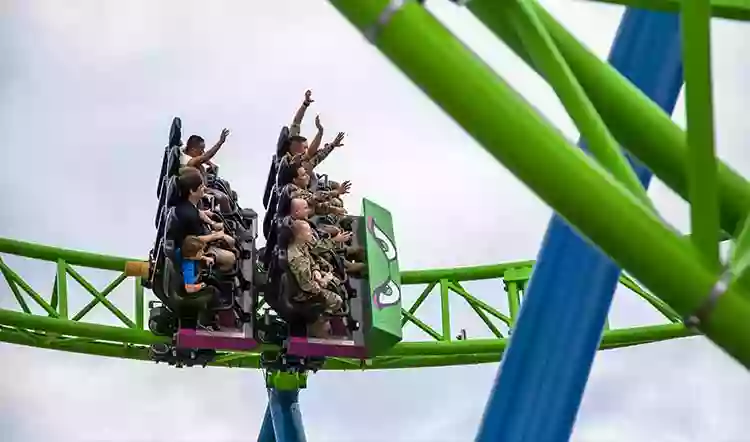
(294, 128)
(320, 155)
(312, 149)
(210, 153)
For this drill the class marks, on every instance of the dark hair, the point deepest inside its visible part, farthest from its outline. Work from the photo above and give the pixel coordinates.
(193, 140)
(192, 246)
(188, 182)
(289, 171)
(297, 138)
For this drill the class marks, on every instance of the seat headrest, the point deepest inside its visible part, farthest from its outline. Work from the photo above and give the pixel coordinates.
(170, 250)
(284, 232)
(175, 132)
(173, 193)
(173, 161)
(282, 145)
(170, 224)
(322, 182)
(284, 204)
(270, 181)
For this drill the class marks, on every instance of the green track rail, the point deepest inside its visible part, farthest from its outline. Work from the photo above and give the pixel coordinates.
(58, 328)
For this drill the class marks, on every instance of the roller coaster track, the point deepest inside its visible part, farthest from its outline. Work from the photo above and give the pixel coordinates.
(46, 321)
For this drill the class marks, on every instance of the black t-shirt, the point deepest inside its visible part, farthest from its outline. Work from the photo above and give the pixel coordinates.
(188, 222)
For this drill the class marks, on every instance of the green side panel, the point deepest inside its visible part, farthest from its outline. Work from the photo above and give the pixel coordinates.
(382, 325)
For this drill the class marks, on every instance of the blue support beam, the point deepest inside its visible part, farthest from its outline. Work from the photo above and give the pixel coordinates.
(266, 433)
(540, 384)
(285, 415)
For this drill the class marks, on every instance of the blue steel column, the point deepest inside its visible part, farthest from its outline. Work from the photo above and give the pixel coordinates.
(540, 384)
(286, 416)
(266, 428)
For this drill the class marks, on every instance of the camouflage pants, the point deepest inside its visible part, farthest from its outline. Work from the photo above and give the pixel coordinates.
(321, 327)
(333, 301)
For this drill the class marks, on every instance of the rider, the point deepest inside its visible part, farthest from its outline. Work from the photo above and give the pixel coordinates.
(192, 222)
(336, 242)
(193, 253)
(195, 155)
(311, 280)
(204, 297)
(300, 181)
(298, 148)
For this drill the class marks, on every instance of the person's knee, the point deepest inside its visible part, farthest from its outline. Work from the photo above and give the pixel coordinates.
(224, 259)
(333, 302)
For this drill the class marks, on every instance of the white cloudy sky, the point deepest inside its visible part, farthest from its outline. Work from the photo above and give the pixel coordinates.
(88, 89)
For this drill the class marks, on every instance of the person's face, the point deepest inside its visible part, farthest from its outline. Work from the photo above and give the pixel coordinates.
(299, 209)
(298, 147)
(196, 149)
(306, 232)
(200, 192)
(303, 179)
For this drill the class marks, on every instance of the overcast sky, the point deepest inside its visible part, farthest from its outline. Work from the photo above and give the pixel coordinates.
(87, 91)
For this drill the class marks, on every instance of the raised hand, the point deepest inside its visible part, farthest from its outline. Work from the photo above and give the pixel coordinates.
(338, 141)
(344, 188)
(308, 98)
(224, 135)
(342, 237)
(318, 125)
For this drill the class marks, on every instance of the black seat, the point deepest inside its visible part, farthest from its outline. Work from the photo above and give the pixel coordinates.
(284, 204)
(170, 198)
(187, 306)
(173, 163)
(175, 140)
(172, 169)
(284, 177)
(270, 213)
(161, 275)
(282, 146)
(281, 208)
(320, 182)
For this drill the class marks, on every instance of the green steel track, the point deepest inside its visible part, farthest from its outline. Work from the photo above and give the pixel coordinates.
(58, 328)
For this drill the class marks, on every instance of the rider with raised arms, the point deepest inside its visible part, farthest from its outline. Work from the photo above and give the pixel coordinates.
(195, 155)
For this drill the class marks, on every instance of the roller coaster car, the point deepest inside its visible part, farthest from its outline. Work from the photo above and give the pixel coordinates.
(176, 312)
(288, 327)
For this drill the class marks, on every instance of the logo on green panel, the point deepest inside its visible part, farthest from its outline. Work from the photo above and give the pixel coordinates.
(388, 292)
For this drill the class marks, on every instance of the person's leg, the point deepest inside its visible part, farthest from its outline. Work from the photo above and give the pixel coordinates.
(333, 301)
(320, 328)
(356, 253)
(225, 259)
(330, 229)
(356, 269)
(222, 199)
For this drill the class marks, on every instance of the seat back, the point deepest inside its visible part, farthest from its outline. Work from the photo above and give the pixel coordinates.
(175, 132)
(173, 281)
(270, 181)
(169, 198)
(321, 182)
(167, 162)
(282, 144)
(284, 204)
(282, 147)
(270, 214)
(173, 162)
